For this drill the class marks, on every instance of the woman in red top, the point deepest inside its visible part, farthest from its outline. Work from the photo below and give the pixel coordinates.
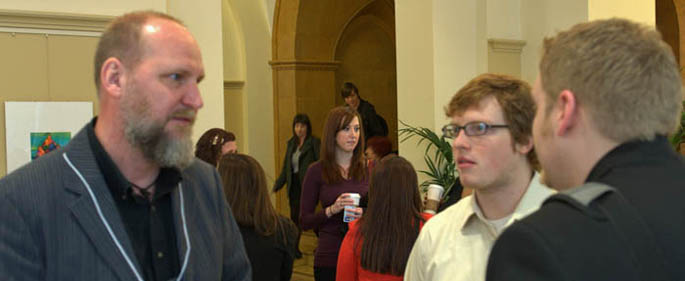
(378, 244)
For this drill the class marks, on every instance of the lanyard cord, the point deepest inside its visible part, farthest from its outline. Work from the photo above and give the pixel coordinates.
(114, 238)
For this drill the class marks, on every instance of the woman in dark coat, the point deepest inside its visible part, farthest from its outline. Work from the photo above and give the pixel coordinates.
(302, 151)
(269, 238)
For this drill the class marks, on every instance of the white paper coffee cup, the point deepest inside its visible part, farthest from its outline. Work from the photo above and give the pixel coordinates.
(435, 192)
(349, 209)
(433, 197)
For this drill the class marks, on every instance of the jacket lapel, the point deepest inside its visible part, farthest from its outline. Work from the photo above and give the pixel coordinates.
(84, 209)
(181, 243)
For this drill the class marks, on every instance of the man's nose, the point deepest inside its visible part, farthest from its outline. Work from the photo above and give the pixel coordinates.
(460, 141)
(192, 97)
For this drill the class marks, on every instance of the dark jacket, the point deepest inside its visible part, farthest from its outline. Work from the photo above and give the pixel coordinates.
(52, 229)
(561, 242)
(308, 155)
(454, 196)
(370, 121)
(270, 257)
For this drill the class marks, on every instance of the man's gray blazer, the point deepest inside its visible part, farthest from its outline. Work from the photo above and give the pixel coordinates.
(51, 228)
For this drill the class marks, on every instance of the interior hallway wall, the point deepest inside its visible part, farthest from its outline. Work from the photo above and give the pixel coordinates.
(203, 20)
(441, 45)
(248, 79)
(638, 10)
(541, 18)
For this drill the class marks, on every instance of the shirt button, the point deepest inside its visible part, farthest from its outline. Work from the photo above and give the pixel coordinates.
(160, 255)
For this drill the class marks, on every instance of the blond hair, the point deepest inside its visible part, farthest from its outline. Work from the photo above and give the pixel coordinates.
(621, 72)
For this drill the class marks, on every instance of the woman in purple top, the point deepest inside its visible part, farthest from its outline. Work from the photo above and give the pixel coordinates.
(339, 171)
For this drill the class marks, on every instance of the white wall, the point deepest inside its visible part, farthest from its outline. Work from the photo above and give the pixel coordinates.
(270, 6)
(638, 10)
(543, 18)
(234, 45)
(203, 18)
(504, 19)
(253, 26)
(431, 68)
(415, 84)
(108, 8)
(459, 51)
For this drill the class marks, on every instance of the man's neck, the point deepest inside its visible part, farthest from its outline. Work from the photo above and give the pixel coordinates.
(576, 167)
(130, 160)
(500, 201)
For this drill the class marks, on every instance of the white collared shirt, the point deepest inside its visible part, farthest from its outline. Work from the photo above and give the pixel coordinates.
(454, 245)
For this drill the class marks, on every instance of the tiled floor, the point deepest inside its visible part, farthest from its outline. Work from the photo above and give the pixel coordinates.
(303, 269)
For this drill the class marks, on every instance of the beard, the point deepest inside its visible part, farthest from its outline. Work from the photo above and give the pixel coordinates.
(146, 133)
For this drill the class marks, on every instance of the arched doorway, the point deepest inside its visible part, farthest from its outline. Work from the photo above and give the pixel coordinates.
(318, 45)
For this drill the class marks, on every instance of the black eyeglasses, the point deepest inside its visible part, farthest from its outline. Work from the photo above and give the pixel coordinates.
(471, 129)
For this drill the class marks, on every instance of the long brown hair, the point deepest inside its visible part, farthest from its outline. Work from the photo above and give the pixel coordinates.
(208, 147)
(245, 188)
(339, 118)
(394, 211)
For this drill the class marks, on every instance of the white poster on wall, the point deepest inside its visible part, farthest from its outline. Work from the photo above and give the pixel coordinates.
(33, 129)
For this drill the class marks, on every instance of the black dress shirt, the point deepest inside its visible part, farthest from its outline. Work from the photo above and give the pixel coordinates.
(149, 223)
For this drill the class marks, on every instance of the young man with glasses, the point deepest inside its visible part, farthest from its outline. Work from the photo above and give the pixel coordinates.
(608, 94)
(491, 121)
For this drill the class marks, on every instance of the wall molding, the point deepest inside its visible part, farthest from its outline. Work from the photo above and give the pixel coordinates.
(305, 65)
(53, 21)
(506, 45)
(233, 85)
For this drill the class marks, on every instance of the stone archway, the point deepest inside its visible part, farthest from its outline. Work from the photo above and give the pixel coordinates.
(315, 46)
(670, 21)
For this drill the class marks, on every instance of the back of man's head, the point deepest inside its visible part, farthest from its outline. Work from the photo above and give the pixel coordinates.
(513, 96)
(620, 72)
(122, 40)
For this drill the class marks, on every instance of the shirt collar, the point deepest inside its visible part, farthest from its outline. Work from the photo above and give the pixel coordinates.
(535, 194)
(119, 186)
(628, 153)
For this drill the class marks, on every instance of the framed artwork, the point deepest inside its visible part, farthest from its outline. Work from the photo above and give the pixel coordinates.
(34, 129)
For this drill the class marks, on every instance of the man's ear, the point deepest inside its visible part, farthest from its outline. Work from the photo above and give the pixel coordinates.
(111, 77)
(525, 147)
(567, 117)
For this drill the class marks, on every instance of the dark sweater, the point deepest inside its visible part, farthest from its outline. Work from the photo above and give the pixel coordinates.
(271, 259)
(329, 230)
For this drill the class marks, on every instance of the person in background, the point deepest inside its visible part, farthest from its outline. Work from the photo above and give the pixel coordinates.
(378, 244)
(340, 170)
(302, 150)
(213, 144)
(376, 148)
(269, 237)
(373, 124)
(231, 145)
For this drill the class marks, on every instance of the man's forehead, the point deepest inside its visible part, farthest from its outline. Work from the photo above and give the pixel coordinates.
(487, 109)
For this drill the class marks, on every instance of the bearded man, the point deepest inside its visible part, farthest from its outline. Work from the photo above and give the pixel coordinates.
(126, 199)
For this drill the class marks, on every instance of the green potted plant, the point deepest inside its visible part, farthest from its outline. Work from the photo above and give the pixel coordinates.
(678, 137)
(440, 162)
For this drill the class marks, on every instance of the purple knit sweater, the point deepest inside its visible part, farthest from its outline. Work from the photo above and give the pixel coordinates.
(315, 190)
